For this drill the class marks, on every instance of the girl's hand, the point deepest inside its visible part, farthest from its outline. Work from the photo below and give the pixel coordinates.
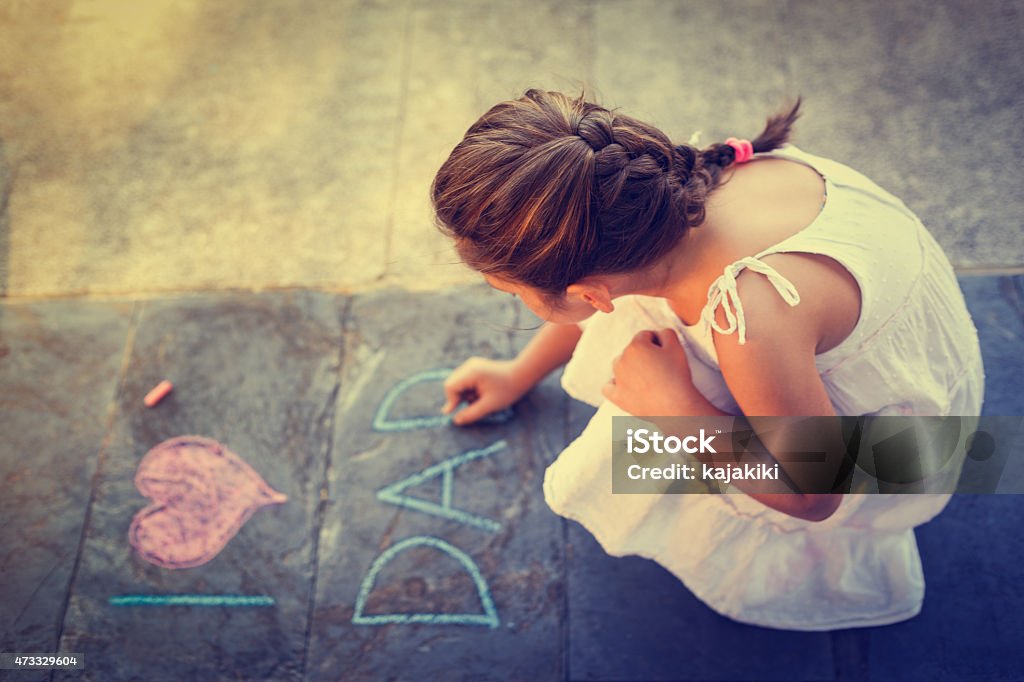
(652, 378)
(487, 385)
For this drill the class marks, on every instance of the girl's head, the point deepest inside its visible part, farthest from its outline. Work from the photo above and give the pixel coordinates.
(546, 191)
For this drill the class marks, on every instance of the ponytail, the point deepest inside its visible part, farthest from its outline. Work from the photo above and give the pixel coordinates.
(777, 130)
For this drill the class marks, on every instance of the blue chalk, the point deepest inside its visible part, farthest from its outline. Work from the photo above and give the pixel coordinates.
(191, 600)
(382, 423)
(393, 493)
(488, 618)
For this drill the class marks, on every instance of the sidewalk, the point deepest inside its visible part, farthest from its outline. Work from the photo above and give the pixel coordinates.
(190, 146)
(293, 382)
(234, 196)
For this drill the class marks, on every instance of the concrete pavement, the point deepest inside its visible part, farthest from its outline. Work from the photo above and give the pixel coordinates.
(183, 146)
(312, 390)
(234, 196)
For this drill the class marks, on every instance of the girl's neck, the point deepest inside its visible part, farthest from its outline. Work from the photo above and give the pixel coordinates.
(694, 262)
(681, 276)
(754, 207)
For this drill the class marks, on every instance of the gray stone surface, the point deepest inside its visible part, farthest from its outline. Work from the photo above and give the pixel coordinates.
(292, 381)
(970, 626)
(714, 67)
(260, 375)
(186, 146)
(59, 368)
(632, 619)
(997, 306)
(389, 337)
(905, 92)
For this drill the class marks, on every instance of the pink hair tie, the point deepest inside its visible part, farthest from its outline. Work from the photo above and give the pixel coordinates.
(744, 149)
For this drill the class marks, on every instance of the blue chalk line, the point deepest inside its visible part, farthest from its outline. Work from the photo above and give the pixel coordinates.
(488, 618)
(190, 600)
(393, 493)
(382, 423)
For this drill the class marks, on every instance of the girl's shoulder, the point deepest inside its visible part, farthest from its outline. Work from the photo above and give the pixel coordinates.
(840, 174)
(769, 361)
(789, 301)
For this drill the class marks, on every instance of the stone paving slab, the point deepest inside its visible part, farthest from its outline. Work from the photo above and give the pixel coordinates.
(188, 146)
(970, 626)
(898, 89)
(892, 89)
(59, 365)
(631, 619)
(997, 307)
(260, 375)
(293, 382)
(666, 75)
(414, 565)
(185, 145)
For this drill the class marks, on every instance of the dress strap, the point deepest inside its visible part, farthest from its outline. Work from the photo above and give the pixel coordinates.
(722, 293)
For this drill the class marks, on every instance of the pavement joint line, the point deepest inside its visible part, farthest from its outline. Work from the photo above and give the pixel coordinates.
(330, 413)
(850, 654)
(5, 227)
(994, 270)
(565, 614)
(404, 70)
(567, 437)
(126, 356)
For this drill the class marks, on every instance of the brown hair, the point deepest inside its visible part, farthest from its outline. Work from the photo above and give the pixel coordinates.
(545, 190)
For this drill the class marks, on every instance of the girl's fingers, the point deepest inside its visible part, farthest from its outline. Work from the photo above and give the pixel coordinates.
(608, 390)
(616, 363)
(455, 390)
(666, 338)
(475, 410)
(650, 337)
(645, 336)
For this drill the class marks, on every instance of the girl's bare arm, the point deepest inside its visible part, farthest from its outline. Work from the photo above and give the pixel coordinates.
(550, 348)
(490, 385)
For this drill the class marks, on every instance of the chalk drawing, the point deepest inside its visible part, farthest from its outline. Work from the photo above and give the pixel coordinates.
(191, 600)
(202, 494)
(393, 493)
(488, 618)
(381, 421)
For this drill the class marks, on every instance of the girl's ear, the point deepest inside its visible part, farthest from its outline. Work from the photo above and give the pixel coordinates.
(593, 292)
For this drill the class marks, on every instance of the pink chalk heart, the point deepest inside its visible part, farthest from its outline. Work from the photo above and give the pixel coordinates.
(202, 495)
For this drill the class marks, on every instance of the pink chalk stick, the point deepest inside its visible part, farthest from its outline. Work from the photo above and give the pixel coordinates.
(158, 393)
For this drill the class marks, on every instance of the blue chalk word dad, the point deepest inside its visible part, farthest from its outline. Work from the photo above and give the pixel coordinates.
(396, 494)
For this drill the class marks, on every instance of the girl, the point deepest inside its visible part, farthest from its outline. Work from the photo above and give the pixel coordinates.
(746, 278)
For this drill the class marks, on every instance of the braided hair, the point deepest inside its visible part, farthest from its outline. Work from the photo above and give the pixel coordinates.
(546, 189)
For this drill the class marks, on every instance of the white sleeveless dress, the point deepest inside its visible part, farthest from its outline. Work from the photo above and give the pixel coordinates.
(914, 351)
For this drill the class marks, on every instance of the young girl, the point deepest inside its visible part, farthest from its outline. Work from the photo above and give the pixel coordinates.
(744, 278)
